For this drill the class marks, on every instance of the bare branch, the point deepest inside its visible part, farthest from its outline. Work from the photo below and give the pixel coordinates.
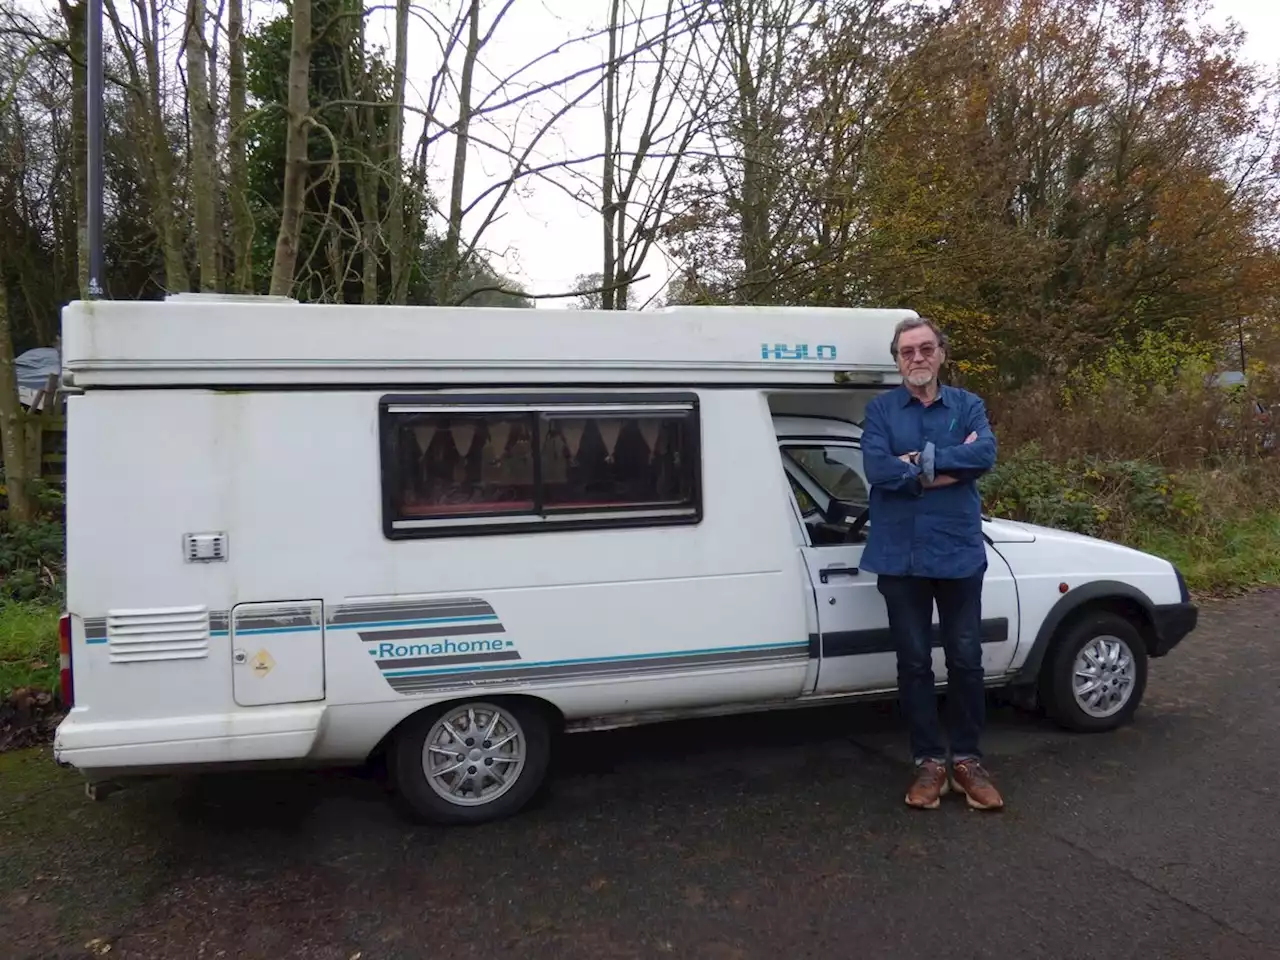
(536, 296)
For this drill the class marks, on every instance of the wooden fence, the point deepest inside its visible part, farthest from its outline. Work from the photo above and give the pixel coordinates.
(46, 432)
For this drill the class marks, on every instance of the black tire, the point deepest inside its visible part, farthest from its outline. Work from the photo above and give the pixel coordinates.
(421, 801)
(1057, 673)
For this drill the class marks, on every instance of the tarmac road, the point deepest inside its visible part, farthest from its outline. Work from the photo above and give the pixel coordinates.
(781, 835)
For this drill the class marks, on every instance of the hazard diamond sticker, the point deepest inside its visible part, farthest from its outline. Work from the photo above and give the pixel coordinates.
(262, 663)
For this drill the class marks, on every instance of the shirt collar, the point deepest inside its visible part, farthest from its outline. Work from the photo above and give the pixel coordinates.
(905, 398)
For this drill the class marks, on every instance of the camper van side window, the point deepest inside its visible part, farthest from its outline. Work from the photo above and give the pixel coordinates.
(448, 471)
(604, 461)
(464, 465)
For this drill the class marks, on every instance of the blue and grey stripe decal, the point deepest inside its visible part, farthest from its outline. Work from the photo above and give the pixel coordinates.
(429, 646)
(636, 665)
(424, 646)
(427, 636)
(285, 618)
(441, 616)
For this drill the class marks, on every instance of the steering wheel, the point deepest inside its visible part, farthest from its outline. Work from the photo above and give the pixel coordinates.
(855, 528)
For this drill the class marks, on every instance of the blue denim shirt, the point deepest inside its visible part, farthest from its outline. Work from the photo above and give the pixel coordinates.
(913, 531)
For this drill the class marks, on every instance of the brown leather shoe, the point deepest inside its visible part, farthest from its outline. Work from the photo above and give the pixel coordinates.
(929, 785)
(970, 778)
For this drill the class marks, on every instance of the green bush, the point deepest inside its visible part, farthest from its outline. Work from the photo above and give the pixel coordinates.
(1156, 364)
(1088, 495)
(1026, 485)
(32, 562)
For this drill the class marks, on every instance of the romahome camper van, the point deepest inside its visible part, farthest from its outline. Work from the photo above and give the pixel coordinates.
(306, 534)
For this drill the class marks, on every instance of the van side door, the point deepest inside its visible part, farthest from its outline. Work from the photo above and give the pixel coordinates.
(855, 644)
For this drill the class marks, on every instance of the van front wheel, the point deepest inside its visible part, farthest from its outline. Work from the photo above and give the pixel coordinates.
(471, 762)
(1094, 678)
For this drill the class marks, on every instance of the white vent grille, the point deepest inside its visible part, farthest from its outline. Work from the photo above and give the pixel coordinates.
(205, 547)
(173, 633)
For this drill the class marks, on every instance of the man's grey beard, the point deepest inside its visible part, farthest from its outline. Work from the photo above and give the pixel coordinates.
(922, 379)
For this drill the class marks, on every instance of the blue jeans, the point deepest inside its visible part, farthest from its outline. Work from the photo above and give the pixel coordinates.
(910, 601)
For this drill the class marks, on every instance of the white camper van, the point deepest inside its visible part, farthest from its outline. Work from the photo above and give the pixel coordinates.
(304, 534)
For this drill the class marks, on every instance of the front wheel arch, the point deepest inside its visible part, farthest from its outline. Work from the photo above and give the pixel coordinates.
(1113, 595)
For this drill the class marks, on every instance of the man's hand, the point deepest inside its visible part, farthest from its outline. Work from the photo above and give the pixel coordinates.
(971, 438)
(911, 457)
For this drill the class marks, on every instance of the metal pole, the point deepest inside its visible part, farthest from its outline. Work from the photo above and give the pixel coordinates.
(93, 119)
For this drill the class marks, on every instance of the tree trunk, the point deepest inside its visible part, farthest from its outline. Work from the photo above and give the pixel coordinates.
(453, 236)
(609, 176)
(367, 184)
(203, 168)
(295, 164)
(237, 160)
(13, 437)
(158, 180)
(176, 278)
(396, 241)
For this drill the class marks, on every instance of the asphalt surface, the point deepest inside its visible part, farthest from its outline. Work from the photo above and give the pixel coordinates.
(778, 835)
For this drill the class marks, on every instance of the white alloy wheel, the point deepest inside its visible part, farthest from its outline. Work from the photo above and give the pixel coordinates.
(472, 761)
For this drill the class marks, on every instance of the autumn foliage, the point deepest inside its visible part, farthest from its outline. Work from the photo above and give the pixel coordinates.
(1048, 178)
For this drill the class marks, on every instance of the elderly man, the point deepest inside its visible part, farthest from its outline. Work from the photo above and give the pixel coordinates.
(924, 446)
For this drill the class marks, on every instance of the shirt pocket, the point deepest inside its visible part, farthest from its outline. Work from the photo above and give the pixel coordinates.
(951, 433)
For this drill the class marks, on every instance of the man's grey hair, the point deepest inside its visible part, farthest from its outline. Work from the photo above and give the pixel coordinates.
(911, 323)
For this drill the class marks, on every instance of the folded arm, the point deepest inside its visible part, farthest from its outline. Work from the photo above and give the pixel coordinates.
(970, 460)
(883, 467)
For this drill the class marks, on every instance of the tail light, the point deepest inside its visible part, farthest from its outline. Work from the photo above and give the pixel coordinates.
(65, 678)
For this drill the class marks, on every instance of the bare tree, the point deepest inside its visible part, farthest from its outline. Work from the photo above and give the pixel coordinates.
(295, 173)
(509, 117)
(610, 159)
(641, 164)
(141, 40)
(237, 160)
(449, 271)
(759, 35)
(204, 180)
(396, 240)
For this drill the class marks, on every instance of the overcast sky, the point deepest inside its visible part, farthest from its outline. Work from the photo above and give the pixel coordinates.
(546, 238)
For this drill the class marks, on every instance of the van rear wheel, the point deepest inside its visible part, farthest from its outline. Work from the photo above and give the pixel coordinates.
(471, 761)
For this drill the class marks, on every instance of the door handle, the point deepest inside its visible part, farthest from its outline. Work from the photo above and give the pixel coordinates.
(828, 572)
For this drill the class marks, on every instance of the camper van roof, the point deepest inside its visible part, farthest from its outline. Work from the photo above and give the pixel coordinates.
(248, 341)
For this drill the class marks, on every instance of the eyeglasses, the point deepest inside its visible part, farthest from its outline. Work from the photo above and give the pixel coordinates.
(925, 352)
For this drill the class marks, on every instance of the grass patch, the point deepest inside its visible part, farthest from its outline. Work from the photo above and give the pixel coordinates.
(1242, 554)
(28, 647)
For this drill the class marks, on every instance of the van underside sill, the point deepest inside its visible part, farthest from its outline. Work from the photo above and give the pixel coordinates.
(622, 720)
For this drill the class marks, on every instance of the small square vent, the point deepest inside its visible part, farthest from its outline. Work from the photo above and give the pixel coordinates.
(204, 547)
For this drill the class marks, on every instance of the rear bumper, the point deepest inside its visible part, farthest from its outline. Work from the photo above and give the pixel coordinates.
(1172, 622)
(262, 734)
